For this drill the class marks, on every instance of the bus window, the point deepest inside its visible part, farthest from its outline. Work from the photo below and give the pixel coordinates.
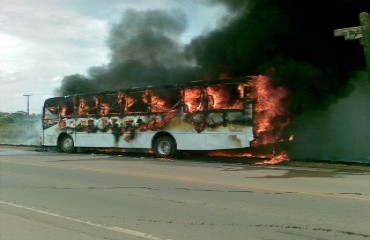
(195, 99)
(224, 96)
(163, 100)
(112, 102)
(67, 107)
(107, 104)
(134, 103)
(86, 106)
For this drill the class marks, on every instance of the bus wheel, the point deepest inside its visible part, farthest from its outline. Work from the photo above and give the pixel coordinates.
(67, 145)
(164, 147)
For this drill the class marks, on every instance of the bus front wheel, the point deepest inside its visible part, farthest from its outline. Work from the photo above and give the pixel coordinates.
(67, 144)
(164, 147)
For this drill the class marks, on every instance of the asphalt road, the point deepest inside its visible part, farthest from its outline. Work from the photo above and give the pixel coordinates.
(46, 195)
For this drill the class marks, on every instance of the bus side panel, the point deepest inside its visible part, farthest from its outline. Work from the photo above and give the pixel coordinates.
(185, 141)
(142, 139)
(211, 141)
(190, 141)
(108, 140)
(84, 139)
(229, 141)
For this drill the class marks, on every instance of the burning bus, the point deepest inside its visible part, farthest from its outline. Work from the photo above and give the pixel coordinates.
(200, 115)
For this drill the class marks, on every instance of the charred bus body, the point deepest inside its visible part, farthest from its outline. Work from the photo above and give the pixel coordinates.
(196, 116)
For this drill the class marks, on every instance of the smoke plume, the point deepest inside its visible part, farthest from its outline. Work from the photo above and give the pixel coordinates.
(293, 43)
(341, 132)
(144, 50)
(292, 40)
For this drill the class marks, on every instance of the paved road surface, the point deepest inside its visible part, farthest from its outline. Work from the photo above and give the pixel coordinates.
(46, 195)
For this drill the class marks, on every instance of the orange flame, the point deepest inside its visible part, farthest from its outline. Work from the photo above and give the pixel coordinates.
(83, 108)
(156, 103)
(194, 99)
(271, 116)
(221, 97)
(276, 159)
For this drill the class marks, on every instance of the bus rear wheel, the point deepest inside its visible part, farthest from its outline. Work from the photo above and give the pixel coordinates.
(164, 147)
(67, 145)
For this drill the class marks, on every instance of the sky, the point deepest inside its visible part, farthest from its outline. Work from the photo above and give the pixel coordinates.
(41, 41)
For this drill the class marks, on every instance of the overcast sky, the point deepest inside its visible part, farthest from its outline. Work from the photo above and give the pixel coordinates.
(41, 41)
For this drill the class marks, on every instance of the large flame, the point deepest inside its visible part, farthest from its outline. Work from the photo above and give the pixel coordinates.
(271, 114)
(157, 103)
(270, 119)
(194, 99)
(223, 96)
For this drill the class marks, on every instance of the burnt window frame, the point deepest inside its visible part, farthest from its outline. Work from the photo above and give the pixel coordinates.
(206, 109)
(175, 99)
(110, 98)
(129, 93)
(90, 99)
(68, 101)
(243, 99)
(205, 100)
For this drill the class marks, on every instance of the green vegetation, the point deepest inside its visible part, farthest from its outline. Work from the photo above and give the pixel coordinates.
(19, 128)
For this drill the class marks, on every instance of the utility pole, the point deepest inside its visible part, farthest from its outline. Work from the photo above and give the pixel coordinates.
(361, 32)
(28, 103)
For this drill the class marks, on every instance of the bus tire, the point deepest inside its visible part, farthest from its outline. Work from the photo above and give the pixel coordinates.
(164, 147)
(67, 145)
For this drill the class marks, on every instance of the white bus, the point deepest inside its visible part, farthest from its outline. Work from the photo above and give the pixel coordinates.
(200, 115)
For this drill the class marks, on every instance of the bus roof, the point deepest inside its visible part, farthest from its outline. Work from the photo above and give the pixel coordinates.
(135, 89)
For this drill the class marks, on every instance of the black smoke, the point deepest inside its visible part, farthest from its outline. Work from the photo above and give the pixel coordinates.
(340, 132)
(293, 41)
(144, 49)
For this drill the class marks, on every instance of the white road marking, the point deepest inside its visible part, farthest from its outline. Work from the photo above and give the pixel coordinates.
(112, 228)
